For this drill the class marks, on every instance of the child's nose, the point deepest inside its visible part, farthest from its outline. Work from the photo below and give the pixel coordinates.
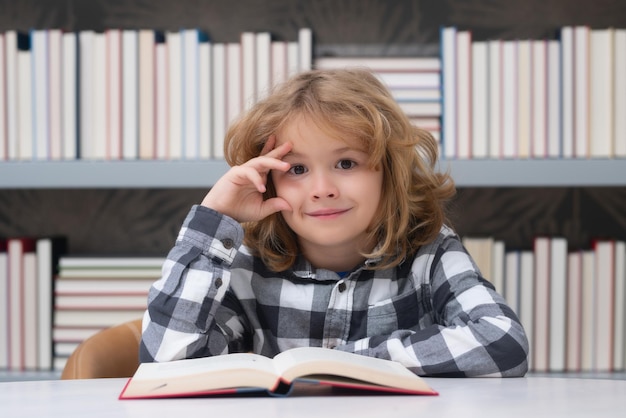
(324, 187)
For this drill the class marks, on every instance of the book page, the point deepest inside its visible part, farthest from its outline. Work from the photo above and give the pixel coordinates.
(186, 377)
(305, 361)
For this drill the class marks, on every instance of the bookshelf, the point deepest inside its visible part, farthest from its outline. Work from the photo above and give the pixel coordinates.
(588, 194)
(200, 173)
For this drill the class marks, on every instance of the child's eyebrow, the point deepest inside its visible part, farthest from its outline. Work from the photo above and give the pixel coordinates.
(342, 150)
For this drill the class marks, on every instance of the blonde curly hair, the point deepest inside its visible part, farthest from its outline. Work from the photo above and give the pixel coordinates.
(354, 103)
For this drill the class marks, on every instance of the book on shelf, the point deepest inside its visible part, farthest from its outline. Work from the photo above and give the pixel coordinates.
(3, 122)
(488, 254)
(88, 285)
(463, 94)
(10, 49)
(219, 104)
(582, 55)
(619, 302)
(248, 373)
(99, 126)
(574, 310)
(555, 122)
(541, 320)
(558, 304)
(4, 301)
(480, 103)
(113, 94)
(264, 64)
(191, 39)
(102, 318)
(406, 80)
(510, 93)
(105, 262)
(173, 40)
(278, 56)
(25, 117)
(566, 43)
(21, 279)
(27, 268)
(248, 63)
(69, 99)
(55, 95)
(40, 85)
(430, 95)
(619, 129)
(204, 97)
(233, 70)
(494, 97)
(604, 289)
(28, 315)
(73, 334)
(130, 94)
(293, 57)
(161, 106)
(145, 46)
(524, 98)
(86, 94)
(587, 351)
(526, 307)
(49, 250)
(512, 270)
(108, 275)
(542, 98)
(601, 102)
(381, 64)
(570, 301)
(539, 98)
(448, 86)
(92, 293)
(412, 81)
(420, 108)
(305, 49)
(118, 300)
(545, 98)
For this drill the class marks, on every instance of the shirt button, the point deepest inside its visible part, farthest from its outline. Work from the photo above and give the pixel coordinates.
(228, 243)
(342, 287)
(218, 282)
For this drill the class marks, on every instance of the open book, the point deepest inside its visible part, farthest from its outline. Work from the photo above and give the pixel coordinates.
(248, 373)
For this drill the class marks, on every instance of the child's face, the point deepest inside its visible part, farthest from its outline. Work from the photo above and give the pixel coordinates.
(332, 190)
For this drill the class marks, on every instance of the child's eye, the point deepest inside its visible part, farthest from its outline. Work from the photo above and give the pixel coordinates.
(346, 164)
(297, 169)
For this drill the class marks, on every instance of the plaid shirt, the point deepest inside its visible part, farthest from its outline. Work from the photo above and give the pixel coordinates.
(432, 313)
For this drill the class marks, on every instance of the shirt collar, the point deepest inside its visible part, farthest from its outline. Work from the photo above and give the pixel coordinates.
(303, 269)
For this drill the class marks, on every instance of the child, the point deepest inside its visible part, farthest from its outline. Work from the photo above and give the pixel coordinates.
(328, 230)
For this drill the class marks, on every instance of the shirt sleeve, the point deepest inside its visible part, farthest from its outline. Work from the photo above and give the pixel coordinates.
(474, 332)
(187, 314)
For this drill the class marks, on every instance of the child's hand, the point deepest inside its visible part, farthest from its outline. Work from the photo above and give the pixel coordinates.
(239, 193)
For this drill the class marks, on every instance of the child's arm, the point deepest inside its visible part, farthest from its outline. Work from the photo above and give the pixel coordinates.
(182, 306)
(473, 332)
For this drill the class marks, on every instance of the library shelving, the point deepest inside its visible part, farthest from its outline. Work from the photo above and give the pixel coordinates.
(203, 173)
(363, 30)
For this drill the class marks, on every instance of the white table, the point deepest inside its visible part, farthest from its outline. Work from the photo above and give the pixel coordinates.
(524, 397)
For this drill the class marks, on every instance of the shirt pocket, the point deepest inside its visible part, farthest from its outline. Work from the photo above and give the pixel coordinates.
(407, 311)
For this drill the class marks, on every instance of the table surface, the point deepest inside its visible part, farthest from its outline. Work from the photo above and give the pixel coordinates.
(486, 397)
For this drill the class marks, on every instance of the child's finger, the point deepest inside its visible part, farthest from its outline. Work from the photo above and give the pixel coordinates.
(269, 145)
(266, 163)
(280, 151)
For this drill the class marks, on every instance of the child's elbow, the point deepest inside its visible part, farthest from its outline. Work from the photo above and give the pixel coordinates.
(510, 353)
